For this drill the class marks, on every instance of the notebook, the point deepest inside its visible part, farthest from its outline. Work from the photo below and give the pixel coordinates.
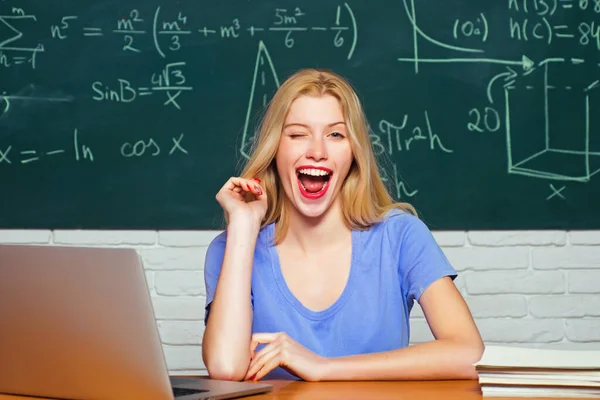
(505, 371)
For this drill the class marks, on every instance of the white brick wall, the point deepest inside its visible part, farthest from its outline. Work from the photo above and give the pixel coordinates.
(533, 288)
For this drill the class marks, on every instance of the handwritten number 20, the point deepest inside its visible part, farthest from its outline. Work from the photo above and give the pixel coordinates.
(491, 120)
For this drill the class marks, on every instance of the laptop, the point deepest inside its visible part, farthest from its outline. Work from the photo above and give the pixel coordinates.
(78, 323)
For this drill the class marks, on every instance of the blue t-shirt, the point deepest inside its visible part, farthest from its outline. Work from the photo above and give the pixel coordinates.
(393, 262)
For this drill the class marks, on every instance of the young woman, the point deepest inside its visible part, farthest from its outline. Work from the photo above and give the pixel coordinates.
(318, 269)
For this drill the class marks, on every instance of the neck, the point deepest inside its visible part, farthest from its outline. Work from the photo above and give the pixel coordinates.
(313, 234)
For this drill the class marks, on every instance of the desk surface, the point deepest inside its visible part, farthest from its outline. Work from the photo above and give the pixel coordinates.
(425, 390)
(409, 390)
(422, 390)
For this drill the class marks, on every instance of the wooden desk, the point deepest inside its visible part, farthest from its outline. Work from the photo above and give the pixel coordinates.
(412, 390)
(425, 390)
(286, 390)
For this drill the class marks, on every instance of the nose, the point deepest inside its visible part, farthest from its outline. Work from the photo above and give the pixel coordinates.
(317, 149)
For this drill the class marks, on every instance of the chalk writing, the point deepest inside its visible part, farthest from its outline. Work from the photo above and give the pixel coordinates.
(530, 20)
(11, 43)
(167, 29)
(150, 147)
(405, 136)
(170, 80)
(81, 152)
(264, 82)
(400, 190)
(556, 192)
(529, 165)
(468, 28)
(499, 99)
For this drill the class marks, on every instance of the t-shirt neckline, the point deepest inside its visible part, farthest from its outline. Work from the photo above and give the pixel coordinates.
(293, 300)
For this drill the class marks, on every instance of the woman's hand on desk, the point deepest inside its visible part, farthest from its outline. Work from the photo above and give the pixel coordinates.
(283, 351)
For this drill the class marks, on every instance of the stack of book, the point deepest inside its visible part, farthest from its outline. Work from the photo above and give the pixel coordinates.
(527, 372)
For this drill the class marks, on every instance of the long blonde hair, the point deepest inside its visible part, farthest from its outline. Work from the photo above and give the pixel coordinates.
(364, 197)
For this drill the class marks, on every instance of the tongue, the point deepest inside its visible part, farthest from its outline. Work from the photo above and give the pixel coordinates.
(313, 184)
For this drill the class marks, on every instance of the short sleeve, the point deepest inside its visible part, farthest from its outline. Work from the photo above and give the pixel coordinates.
(212, 269)
(421, 260)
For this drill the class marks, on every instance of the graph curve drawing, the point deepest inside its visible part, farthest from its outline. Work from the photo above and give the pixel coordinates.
(565, 144)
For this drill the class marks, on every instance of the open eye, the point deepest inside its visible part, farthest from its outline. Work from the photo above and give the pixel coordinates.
(337, 135)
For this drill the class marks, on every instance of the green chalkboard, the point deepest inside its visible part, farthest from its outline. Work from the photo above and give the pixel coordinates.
(131, 114)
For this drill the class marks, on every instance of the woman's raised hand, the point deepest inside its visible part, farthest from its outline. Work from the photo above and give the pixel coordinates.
(243, 199)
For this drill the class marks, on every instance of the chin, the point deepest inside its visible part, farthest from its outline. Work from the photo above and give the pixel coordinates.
(311, 207)
(315, 211)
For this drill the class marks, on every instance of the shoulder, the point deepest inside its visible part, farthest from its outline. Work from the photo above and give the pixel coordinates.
(408, 238)
(420, 260)
(399, 226)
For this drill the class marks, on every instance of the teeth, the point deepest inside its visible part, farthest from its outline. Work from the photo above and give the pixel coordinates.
(313, 172)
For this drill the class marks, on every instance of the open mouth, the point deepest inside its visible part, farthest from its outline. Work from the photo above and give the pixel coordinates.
(313, 181)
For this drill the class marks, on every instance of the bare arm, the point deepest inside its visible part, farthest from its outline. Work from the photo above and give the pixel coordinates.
(451, 356)
(226, 342)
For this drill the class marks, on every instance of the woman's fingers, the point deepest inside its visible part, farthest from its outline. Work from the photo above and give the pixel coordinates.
(243, 195)
(268, 363)
(257, 186)
(264, 338)
(268, 366)
(239, 185)
(261, 358)
(242, 187)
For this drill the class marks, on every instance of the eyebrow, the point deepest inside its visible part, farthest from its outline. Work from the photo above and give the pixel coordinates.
(306, 126)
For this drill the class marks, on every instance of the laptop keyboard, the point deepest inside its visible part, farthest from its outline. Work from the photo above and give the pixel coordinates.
(178, 391)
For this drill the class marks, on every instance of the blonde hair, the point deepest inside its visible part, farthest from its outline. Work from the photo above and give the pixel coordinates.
(364, 197)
